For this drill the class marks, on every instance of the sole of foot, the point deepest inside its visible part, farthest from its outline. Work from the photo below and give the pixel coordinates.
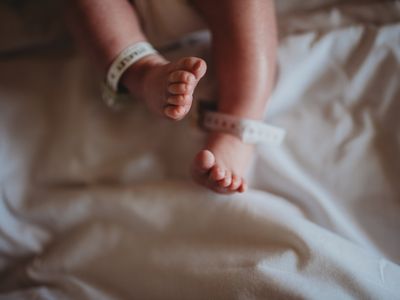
(166, 87)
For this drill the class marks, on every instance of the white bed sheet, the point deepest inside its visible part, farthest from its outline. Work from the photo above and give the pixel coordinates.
(98, 205)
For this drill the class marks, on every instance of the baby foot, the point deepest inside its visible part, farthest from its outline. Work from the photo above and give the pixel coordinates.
(222, 165)
(166, 87)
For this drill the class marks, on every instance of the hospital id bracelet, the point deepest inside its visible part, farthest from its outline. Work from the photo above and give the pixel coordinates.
(121, 63)
(247, 130)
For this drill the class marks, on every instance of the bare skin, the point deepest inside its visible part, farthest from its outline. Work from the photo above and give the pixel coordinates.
(106, 27)
(244, 38)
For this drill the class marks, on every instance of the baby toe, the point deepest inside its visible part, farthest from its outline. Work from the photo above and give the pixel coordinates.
(180, 99)
(227, 180)
(217, 173)
(179, 88)
(199, 68)
(243, 187)
(236, 182)
(204, 161)
(181, 76)
(175, 112)
(195, 65)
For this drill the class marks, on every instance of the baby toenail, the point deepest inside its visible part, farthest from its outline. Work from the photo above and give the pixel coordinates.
(197, 65)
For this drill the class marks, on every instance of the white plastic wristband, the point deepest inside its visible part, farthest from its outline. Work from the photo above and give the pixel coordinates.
(125, 59)
(249, 131)
(121, 63)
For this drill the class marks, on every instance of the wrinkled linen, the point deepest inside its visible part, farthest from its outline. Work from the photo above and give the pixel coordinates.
(97, 204)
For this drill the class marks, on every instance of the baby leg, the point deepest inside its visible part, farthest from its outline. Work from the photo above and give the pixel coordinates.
(244, 46)
(106, 27)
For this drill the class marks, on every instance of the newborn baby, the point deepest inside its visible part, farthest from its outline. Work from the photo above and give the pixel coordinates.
(243, 45)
